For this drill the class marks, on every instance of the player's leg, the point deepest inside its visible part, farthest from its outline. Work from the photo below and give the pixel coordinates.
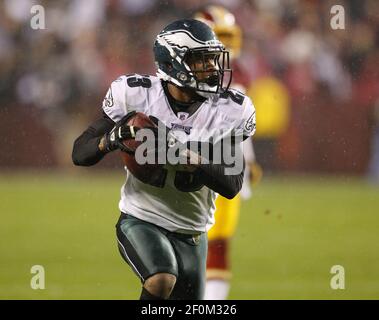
(150, 254)
(158, 286)
(191, 255)
(218, 262)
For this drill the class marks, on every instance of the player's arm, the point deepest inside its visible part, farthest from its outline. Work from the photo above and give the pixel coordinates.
(228, 185)
(101, 137)
(86, 150)
(214, 177)
(220, 177)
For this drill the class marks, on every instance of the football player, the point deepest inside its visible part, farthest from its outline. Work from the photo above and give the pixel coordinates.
(162, 229)
(229, 33)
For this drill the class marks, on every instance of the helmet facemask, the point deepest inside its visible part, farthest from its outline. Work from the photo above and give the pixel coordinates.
(208, 69)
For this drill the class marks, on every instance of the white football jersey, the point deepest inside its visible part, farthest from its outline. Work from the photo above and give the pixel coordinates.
(167, 206)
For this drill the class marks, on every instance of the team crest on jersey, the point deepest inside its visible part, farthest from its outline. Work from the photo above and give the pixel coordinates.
(108, 100)
(250, 124)
(186, 129)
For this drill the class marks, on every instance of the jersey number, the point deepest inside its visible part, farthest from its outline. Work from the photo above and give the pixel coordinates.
(187, 181)
(184, 181)
(236, 97)
(139, 82)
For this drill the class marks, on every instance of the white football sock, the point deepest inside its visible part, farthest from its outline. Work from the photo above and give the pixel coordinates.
(216, 289)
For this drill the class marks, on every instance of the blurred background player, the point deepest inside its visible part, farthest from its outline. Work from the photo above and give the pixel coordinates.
(373, 168)
(229, 33)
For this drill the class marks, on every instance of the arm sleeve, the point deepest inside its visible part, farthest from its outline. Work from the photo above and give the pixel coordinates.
(221, 178)
(86, 147)
(214, 178)
(217, 176)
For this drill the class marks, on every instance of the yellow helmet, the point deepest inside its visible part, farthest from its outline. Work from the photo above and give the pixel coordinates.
(224, 25)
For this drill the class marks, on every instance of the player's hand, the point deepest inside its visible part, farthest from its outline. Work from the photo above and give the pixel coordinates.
(256, 173)
(113, 140)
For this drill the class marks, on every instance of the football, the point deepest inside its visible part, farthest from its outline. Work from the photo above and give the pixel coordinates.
(148, 173)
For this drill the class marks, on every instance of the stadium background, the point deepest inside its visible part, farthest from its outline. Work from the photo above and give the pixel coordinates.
(316, 207)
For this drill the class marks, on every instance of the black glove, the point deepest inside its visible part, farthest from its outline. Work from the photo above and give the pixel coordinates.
(121, 131)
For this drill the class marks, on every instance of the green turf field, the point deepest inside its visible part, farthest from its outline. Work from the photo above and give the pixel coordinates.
(290, 235)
